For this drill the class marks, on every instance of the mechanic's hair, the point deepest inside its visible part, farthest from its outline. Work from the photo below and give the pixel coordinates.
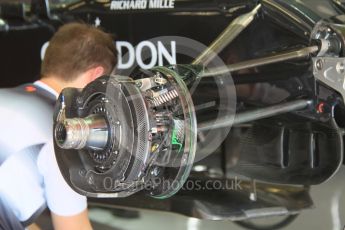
(76, 48)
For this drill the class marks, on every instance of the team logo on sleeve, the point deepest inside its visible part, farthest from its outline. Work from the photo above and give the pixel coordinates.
(30, 89)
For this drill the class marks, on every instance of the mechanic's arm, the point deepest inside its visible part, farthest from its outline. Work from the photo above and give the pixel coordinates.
(77, 222)
(68, 208)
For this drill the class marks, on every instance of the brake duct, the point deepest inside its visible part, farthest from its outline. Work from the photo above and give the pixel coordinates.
(119, 136)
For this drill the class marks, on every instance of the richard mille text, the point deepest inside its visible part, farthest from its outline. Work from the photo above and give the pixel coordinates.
(142, 4)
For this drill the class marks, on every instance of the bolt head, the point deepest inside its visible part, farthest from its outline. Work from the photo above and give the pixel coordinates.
(340, 68)
(155, 171)
(319, 64)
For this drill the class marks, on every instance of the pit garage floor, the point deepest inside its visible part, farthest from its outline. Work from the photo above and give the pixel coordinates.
(328, 214)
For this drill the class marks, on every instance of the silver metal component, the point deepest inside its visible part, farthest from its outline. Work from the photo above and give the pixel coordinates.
(160, 80)
(253, 195)
(330, 37)
(145, 84)
(200, 168)
(301, 53)
(326, 45)
(62, 113)
(150, 82)
(154, 130)
(79, 133)
(154, 94)
(331, 71)
(255, 115)
(225, 38)
(319, 64)
(164, 98)
(179, 127)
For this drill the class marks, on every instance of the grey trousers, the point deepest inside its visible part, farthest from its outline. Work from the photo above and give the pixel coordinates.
(8, 221)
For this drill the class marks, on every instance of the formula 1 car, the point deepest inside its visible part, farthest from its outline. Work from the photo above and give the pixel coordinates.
(221, 110)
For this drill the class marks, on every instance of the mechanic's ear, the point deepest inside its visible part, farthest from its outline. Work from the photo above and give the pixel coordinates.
(96, 72)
